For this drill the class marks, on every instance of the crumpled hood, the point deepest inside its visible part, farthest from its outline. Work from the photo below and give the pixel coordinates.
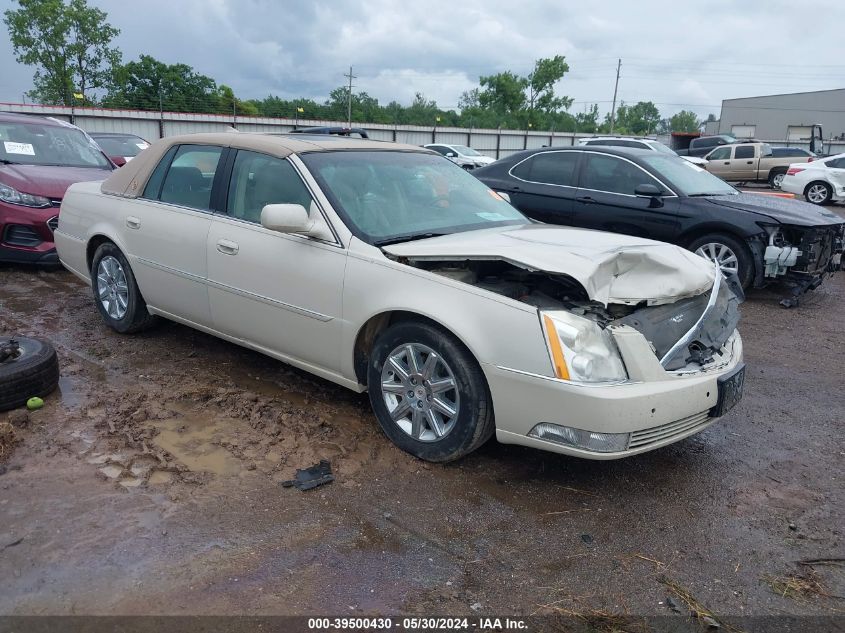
(612, 268)
(783, 210)
(48, 180)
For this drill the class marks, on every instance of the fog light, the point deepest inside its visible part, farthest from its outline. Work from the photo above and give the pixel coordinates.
(586, 440)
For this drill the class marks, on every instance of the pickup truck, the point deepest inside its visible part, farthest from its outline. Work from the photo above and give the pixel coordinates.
(750, 162)
(703, 144)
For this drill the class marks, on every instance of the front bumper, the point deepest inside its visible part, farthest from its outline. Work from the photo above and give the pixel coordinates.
(25, 236)
(655, 406)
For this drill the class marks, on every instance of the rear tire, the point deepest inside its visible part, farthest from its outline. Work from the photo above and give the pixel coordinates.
(730, 253)
(443, 386)
(818, 192)
(116, 292)
(776, 178)
(34, 372)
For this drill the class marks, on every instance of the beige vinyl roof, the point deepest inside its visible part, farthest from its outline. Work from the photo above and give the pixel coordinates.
(129, 181)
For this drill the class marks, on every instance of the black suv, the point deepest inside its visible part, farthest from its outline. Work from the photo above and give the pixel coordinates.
(663, 197)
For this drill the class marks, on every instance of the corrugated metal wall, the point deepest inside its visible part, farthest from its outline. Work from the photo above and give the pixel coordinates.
(152, 125)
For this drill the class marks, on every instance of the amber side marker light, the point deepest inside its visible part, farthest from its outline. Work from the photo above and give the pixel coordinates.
(561, 370)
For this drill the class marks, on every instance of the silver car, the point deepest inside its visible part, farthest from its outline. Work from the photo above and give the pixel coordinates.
(386, 268)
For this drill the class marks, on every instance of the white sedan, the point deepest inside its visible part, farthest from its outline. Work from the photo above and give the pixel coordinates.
(387, 268)
(820, 182)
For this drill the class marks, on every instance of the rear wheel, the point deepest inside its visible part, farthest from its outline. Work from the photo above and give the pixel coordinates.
(116, 292)
(428, 393)
(728, 253)
(818, 193)
(776, 178)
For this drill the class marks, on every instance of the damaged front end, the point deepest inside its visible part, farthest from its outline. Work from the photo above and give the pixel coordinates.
(800, 256)
(687, 335)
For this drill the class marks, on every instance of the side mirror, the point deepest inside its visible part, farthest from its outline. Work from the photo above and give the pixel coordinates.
(648, 191)
(293, 218)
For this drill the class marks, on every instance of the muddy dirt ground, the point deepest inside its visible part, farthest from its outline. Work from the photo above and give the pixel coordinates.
(150, 484)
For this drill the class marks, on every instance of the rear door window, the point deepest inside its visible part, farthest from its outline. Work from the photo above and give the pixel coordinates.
(744, 151)
(190, 176)
(549, 168)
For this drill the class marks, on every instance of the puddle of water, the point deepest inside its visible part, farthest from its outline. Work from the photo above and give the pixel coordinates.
(191, 441)
(159, 477)
(112, 472)
(131, 482)
(70, 396)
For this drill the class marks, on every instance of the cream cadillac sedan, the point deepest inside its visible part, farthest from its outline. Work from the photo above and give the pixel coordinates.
(387, 268)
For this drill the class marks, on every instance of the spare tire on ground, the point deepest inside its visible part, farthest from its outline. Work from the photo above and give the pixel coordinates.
(28, 367)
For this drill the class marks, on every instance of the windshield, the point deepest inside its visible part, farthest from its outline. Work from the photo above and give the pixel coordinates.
(465, 151)
(387, 195)
(689, 179)
(126, 146)
(36, 144)
(660, 147)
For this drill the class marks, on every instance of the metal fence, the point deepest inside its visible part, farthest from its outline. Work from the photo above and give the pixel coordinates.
(495, 143)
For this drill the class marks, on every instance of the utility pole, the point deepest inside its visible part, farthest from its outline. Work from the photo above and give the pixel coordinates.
(615, 88)
(160, 113)
(350, 76)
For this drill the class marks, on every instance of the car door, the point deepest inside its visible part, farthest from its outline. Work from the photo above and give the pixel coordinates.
(543, 185)
(719, 162)
(280, 292)
(744, 162)
(605, 199)
(165, 231)
(835, 172)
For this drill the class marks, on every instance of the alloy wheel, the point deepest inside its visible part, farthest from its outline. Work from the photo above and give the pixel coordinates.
(777, 181)
(817, 194)
(721, 255)
(420, 392)
(112, 289)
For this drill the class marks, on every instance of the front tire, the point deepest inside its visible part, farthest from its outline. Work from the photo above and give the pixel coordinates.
(732, 256)
(116, 292)
(428, 392)
(818, 193)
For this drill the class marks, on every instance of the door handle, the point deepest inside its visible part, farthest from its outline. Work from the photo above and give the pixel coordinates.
(132, 222)
(727, 162)
(585, 200)
(516, 188)
(227, 247)
(749, 162)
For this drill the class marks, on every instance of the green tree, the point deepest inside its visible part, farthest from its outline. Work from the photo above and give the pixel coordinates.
(503, 93)
(684, 121)
(642, 118)
(228, 103)
(148, 84)
(69, 45)
(588, 121)
(547, 72)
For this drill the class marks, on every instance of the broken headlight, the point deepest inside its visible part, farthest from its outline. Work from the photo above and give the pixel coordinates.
(581, 350)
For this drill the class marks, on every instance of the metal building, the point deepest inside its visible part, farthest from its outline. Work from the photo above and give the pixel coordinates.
(784, 117)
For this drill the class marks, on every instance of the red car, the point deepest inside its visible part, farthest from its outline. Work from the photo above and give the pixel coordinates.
(39, 159)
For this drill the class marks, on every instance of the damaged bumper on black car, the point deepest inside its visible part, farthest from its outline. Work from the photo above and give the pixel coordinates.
(799, 256)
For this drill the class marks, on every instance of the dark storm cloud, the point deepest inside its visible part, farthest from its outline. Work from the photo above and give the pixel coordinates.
(678, 54)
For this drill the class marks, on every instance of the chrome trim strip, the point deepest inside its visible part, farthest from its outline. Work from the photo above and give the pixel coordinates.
(243, 293)
(686, 339)
(270, 301)
(589, 385)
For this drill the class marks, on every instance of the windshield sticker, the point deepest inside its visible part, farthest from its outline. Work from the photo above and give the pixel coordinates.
(493, 217)
(19, 148)
(142, 145)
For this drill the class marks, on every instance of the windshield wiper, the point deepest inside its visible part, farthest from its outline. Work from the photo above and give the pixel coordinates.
(8, 162)
(406, 238)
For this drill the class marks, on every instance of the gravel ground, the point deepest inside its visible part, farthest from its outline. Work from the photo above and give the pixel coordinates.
(150, 484)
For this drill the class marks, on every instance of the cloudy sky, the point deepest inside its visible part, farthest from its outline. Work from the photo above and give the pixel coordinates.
(681, 55)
